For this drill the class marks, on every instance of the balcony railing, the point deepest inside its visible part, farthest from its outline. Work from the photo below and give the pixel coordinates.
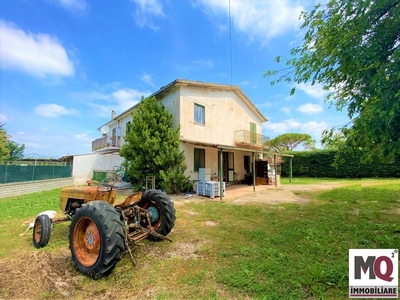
(248, 138)
(106, 142)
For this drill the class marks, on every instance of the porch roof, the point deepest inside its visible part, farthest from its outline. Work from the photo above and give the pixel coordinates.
(218, 146)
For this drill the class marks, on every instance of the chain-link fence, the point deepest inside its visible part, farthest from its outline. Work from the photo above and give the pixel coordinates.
(25, 172)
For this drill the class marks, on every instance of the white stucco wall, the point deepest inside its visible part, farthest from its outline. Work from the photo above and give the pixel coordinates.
(172, 103)
(211, 161)
(83, 165)
(225, 113)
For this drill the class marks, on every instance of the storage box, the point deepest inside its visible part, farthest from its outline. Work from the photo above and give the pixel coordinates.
(210, 189)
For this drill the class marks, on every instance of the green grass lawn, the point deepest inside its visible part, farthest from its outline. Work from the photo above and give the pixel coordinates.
(314, 180)
(310, 180)
(224, 251)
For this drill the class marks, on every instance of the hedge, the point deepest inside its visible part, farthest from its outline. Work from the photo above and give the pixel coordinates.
(319, 163)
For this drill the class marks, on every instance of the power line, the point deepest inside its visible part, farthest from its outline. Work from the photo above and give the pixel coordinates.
(230, 37)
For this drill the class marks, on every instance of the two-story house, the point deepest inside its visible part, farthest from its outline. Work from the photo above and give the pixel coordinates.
(220, 128)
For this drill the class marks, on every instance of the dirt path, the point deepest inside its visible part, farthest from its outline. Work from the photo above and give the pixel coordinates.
(241, 194)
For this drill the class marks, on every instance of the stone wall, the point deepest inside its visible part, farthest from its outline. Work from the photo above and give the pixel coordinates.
(21, 188)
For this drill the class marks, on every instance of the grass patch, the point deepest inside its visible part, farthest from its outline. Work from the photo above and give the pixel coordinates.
(321, 180)
(311, 180)
(219, 250)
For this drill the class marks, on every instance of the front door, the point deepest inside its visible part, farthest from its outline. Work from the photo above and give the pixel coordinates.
(228, 166)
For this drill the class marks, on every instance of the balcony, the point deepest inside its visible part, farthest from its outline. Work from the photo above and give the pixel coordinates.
(106, 143)
(250, 139)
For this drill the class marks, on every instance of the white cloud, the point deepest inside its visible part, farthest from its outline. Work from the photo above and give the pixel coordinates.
(312, 127)
(36, 54)
(315, 91)
(265, 104)
(3, 118)
(261, 20)
(282, 127)
(52, 110)
(286, 110)
(119, 100)
(31, 145)
(73, 5)
(207, 64)
(310, 108)
(252, 85)
(127, 97)
(146, 10)
(83, 137)
(146, 78)
(82, 96)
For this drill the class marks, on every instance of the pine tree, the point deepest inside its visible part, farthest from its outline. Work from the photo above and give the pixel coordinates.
(152, 148)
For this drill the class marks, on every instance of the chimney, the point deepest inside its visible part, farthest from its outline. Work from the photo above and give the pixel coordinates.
(113, 115)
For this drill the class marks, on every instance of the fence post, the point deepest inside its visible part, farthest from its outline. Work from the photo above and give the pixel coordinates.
(5, 175)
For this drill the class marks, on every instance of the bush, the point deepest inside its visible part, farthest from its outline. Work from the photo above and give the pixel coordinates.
(320, 163)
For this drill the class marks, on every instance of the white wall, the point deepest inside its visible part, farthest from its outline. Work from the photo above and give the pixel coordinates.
(212, 161)
(83, 165)
(225, 113)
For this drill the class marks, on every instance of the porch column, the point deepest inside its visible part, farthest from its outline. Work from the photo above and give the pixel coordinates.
(253, 160)
(220, 174)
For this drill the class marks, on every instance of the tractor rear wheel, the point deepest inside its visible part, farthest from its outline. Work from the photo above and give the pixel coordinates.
(41, 231)
(161, 210)
(96, 238)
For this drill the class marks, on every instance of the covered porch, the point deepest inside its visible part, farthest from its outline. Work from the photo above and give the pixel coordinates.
(225, 169)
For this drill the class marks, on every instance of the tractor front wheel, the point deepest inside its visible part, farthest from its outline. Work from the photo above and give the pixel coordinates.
(161, 210)
(41, 231)
(96, 238)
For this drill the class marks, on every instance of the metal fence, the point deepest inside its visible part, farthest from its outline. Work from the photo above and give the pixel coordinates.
(25, 172)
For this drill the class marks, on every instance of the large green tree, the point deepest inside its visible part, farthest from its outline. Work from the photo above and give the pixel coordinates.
(152, 148)
(4, 151)
(9, 150)
(16, 150)
(351, 48)
(335, 141)
(290, 141)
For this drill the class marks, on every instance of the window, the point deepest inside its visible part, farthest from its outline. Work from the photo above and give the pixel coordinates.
(199, 158)
(128, 125)
(199, 114)
(253, 134)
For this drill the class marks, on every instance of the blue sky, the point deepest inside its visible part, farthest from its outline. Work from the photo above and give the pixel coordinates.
(66, 64)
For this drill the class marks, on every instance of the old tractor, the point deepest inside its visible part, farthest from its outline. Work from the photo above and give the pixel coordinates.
(101, 231)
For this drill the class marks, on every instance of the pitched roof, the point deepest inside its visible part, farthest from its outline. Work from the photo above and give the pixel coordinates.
(184, 82)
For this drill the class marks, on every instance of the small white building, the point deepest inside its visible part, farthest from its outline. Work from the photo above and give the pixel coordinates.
(217, 121)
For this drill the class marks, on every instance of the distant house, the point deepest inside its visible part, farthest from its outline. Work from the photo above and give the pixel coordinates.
(217, 121)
